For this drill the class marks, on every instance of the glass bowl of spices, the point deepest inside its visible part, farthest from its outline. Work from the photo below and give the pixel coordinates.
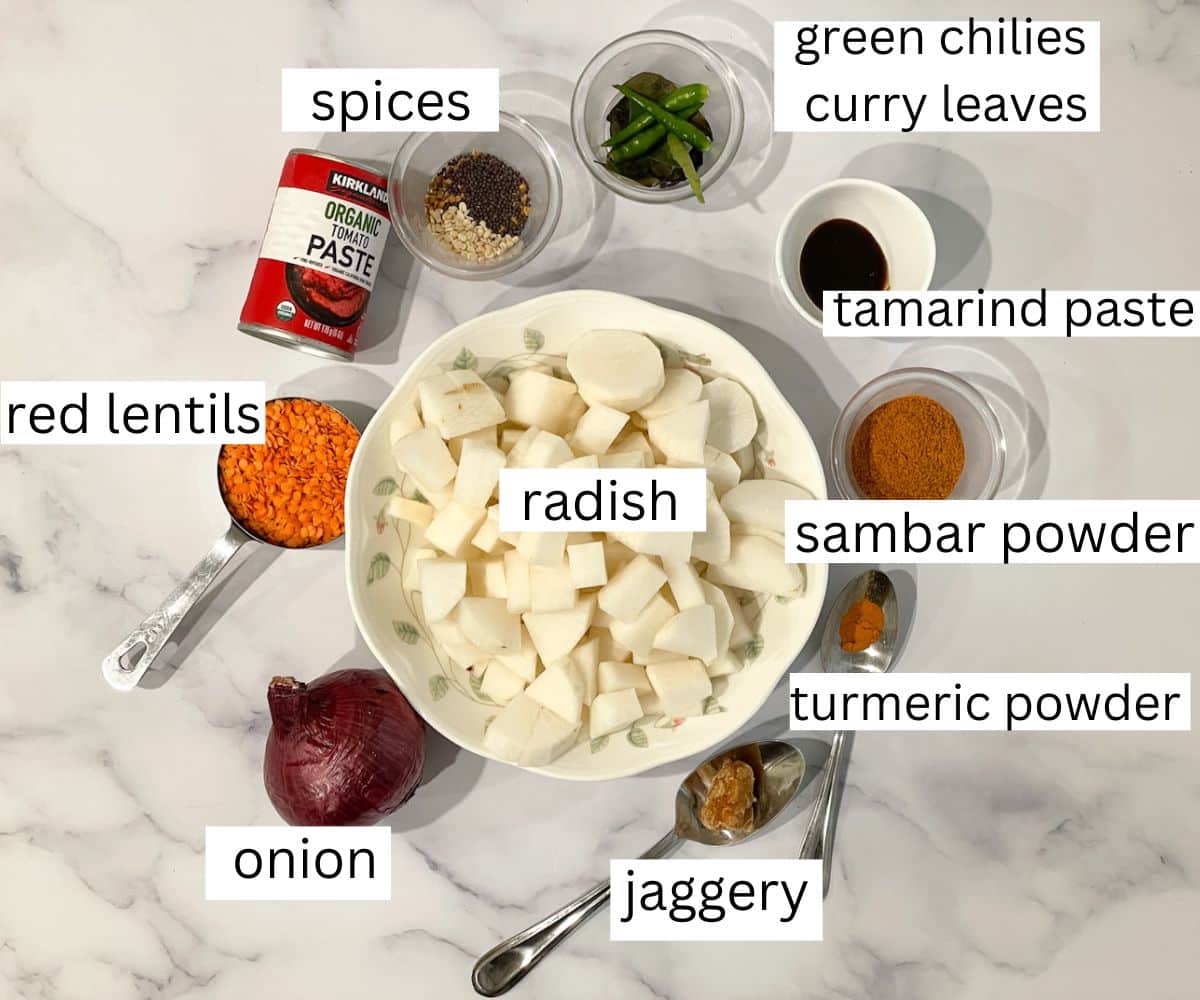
(677, 74)
(476, 205)
(917, 434)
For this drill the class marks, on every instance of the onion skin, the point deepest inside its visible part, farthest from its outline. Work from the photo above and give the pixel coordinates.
(345, 750)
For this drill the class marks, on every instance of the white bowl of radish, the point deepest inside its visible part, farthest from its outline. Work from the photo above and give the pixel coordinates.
(595, 655)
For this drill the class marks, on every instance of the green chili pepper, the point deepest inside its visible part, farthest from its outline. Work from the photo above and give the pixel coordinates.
(645, 142)
(679, 99)
(675, 125)
(683, 156)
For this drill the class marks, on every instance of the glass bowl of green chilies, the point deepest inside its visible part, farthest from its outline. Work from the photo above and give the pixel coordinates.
(675, 73)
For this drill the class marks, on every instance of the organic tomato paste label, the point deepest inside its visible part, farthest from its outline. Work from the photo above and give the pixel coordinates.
(320, 254)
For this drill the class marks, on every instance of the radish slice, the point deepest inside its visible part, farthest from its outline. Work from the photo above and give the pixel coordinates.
(681, 386)
(681, 434)
(734, 421)
(758, 503)
(617, 368)
(756, 563)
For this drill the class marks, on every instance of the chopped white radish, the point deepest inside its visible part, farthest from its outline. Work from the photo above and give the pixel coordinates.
(674, 545)
(500, 684)
(638, 636)
(685, 583)
(508, 733)
(412, 567)
(756, 563)
(681, 434)
(614, 675)
(582, 462)
(478, 472)
(450, 637)
(680, 685)
(523, 663)
(612, 712)
(629, 591)
(535, 399)
(713, 544)
(617, 368)
(412, 511)
(545, 451)
(587, 566)
(551, 587)
(586, 657)
(517, 582)
(440, 498)
(691, 633)
(516, 454)
(634, 440)
(560, 688)
(616, 555)
(740, 631)
(556, 633)
(758, 503)
(509, 436)
(680, 387)
(453, 528)
(443, 585)
(745, 460)
(485, 577)
(545, 548)
(576, 409)
(734, 420)
(610, 649)
(597, 429)
(487, 538)
(623, 460)
(404, 422)
(723, 471)
(485, 436)
(425, 457)
(722, 618)
(488, 624)
(458, 402)
(722, 666)
(550, 739)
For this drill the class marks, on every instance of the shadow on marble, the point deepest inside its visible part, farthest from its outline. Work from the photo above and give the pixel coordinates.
(954, 195)
(745, 39)
(382, 332)
(1016, 392)
(588, 209)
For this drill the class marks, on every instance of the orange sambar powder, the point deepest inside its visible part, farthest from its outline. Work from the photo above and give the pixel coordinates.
(292, 490)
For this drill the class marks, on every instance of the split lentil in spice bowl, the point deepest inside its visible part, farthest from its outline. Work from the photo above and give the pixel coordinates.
(291, 491)
(917, 434)
(476, 205)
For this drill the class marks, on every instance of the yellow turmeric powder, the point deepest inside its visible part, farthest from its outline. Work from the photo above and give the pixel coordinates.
(860, 626)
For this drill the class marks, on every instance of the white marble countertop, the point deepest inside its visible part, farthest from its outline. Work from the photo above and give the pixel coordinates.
(139, 148)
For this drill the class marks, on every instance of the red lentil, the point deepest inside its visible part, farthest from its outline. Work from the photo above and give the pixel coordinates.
(292, 490)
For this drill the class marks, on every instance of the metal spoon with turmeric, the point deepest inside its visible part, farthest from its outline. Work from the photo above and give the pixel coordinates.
(866, 601)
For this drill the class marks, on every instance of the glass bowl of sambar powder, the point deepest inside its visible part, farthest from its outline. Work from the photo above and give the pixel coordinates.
(917, 434)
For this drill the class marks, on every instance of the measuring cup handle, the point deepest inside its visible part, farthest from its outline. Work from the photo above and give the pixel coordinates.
(126, 664)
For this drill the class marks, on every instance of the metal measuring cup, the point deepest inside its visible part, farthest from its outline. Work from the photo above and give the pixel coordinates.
(136, 653)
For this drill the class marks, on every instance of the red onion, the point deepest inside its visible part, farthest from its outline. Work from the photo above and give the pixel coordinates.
(345, 750)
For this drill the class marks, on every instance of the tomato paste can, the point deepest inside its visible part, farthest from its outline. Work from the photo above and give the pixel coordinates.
(319, 256)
